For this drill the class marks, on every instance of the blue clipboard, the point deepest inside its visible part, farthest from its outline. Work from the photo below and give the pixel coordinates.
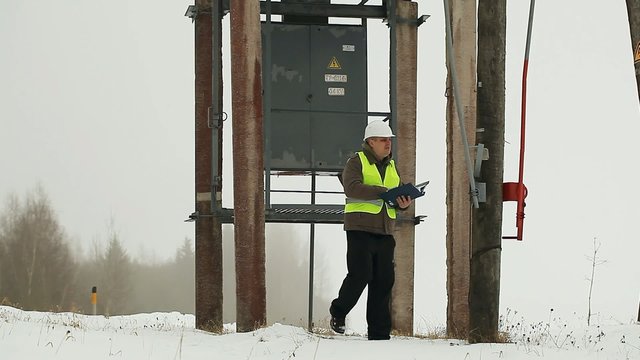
(409, 189)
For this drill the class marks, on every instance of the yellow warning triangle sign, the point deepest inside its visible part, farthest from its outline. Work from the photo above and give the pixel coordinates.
(334, 64)
(636, 55)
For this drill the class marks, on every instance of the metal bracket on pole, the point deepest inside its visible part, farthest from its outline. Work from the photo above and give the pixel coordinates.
(482, 153)
(214, 120)
(417, 22)
(481, 188)
(192, 12)
(481, 191)
(479, 158)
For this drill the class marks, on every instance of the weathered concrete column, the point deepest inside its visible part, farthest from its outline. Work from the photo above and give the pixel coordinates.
(406, 69)
(248, 164)
(463, 13)
(208, 230)
(484, 294)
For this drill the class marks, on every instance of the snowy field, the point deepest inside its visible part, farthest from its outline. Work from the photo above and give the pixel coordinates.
(39, 335)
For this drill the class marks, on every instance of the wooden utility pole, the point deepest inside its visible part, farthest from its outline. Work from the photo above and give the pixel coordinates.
(406, 36)
(463, 14)
(248, 164)
(633, 12)
(208, 230)
(484, 294)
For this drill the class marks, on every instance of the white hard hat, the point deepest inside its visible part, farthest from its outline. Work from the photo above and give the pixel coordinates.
(377, 128)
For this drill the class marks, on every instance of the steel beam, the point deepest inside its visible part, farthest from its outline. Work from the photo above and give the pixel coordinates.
(307, 9)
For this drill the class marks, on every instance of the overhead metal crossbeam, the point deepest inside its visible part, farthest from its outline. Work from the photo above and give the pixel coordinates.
(328, 10)
(307, 9)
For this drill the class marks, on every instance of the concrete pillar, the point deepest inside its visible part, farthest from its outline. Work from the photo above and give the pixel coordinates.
(248, 164)
(458, 239)
(208, 231)
(484, 296)
(406, 91)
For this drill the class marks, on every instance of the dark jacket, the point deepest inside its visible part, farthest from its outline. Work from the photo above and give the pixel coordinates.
(379, 223)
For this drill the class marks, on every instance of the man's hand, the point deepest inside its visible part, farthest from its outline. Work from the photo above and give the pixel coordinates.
(403, 201)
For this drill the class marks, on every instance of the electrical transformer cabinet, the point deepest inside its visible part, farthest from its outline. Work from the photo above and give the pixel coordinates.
(316, 108)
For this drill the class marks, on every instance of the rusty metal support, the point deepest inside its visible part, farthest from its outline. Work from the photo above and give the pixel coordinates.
(248, 164)
(208, 232)
(405, 40)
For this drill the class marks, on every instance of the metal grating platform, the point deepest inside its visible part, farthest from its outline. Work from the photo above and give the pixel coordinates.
(298, 214)
(288, 213)
(311, 214)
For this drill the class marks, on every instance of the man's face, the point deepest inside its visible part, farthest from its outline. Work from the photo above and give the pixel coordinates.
(381, 146)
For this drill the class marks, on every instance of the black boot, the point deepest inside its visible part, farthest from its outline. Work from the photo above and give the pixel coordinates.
(337, 325)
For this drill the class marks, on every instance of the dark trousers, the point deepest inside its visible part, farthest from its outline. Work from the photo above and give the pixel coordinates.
(369, 262)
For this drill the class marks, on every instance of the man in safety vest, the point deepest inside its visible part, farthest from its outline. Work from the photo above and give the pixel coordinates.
(369, 225)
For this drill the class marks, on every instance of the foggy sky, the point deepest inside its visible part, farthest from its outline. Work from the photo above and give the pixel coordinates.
(96, 104)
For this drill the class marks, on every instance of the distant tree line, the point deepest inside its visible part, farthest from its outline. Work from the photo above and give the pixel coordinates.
(40, 271)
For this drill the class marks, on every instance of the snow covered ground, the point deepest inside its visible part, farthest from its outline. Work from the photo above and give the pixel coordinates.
(39, 335)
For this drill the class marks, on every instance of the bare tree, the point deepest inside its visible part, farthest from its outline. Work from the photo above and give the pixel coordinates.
(36, 268)
(595, 261)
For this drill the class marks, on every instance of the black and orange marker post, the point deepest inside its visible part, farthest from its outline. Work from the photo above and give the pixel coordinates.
(94, 299)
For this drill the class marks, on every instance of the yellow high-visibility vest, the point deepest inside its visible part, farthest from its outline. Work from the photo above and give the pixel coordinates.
(371, 176)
